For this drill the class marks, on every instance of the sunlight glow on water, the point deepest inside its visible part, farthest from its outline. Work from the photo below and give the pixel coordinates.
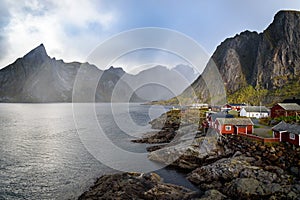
(42, 156)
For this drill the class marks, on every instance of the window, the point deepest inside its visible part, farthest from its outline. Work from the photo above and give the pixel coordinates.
(292, 136)
(228, 128)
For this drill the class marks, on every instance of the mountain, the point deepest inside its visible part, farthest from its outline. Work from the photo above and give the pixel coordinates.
(38, 78)
(255, 67)
(158, 82)
(186, 71)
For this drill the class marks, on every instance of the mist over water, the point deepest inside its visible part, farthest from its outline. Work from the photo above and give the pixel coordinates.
(42, 156)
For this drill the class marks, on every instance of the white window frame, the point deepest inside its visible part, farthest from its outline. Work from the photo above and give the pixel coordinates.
(227, 128)
(292, 136)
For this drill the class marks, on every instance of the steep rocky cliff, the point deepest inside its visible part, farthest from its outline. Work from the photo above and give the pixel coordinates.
(38, 78)
(257, 67)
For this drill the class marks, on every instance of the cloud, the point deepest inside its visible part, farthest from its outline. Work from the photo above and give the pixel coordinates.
(69, 29)
(4, 19)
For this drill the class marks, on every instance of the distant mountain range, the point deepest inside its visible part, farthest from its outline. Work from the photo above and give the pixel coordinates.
(256, 67)
(158, 82)
(38, 78)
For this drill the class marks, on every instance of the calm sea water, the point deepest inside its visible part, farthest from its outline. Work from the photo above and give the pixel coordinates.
(42, 156)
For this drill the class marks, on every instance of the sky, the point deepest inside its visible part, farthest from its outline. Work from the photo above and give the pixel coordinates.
(71, 30)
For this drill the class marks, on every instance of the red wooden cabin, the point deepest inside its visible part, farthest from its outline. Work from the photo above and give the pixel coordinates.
(234, 125)
(287, 133)
(285, 110)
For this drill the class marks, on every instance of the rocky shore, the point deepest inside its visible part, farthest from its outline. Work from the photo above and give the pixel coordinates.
(230, 167)
(135, 186)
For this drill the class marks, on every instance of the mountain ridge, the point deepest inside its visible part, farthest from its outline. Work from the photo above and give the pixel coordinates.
(158, 82)
(257, 67)
(37, 78)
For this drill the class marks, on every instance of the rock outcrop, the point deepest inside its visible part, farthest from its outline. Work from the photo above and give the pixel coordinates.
(135, 186)
(188, 153)
(252, 172)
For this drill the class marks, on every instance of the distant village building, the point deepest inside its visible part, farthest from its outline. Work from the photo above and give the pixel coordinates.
(235, 107)
(214, 108)
(199, 105)
(255, 111)
(234, 125)
(287, 133)
(285, 109)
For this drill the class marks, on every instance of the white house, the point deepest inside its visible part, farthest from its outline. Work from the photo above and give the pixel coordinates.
(255, 111)
(199, 105)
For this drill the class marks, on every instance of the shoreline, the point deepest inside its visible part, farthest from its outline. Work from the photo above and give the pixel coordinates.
(219, 167)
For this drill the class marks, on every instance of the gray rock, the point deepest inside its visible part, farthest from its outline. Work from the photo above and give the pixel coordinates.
(213, 195)
(186, 152)
(246, 188)
(222, 170)
(135, 186)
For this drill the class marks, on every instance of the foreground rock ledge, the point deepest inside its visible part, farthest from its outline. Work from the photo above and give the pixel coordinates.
(135, 186)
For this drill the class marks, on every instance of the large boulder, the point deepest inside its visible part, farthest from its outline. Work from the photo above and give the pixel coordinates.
(213, 194)
(250, 188)
(135, 186)
(188, 152)
(223, 170)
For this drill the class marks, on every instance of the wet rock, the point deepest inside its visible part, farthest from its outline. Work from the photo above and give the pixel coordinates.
(135, 186)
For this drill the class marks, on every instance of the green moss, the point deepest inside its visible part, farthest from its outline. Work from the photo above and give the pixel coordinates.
(254, 96)
(249, 95)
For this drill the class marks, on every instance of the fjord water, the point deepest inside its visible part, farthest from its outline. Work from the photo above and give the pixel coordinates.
(42, 156)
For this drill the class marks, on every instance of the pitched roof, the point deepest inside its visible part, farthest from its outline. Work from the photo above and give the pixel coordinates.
(220, 115)
(281, 126)
(291, 128)
(235, 121)
(257, 109)
(289, 106)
